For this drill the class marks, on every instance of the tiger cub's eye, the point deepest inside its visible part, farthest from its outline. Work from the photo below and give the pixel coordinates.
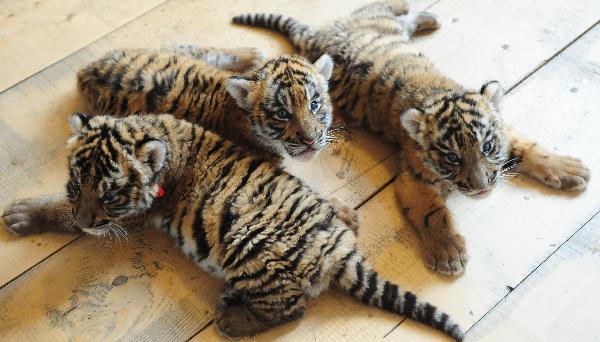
(487, 146)
(452, 157)
(314, 106)
(282, 115)
(109, 197)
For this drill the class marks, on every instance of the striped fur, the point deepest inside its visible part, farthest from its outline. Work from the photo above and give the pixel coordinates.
(273, 239)
(451, 137)
(276, 108)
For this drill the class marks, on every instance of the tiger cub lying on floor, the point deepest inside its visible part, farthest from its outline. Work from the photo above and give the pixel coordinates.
(451, 137)
(273, 239)
(276, 108)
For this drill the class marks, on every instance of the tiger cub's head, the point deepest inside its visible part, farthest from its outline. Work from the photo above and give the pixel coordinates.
(288, 104)
(462, 137)
(113, 172)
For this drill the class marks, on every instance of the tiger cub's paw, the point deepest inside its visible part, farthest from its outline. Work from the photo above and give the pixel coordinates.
(426, 21)
(235, 321)
(246, 58)
(346, 214)
(558, 172)
(445, 253)
(399, 7)
(24, 217)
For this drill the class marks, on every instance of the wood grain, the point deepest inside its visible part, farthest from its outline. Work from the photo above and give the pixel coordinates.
(558, 302)
(146, 289)
(35, 34)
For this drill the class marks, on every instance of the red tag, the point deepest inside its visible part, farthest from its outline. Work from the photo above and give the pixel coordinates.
(161, 192)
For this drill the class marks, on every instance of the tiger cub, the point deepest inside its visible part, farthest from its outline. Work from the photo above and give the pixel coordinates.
(273, 239)
(451, 137)
(277, 108)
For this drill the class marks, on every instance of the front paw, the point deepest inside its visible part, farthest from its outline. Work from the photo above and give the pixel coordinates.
(559, 172)
(445, 253)
(22, 217)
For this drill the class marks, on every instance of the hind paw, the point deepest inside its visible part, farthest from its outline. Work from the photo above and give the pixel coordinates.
(235, 321)
(427, 21)
(246, 59)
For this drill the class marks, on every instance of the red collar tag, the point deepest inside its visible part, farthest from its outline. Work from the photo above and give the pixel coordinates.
(161, 192)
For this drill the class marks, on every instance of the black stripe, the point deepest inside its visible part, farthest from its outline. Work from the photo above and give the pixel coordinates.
(429, 313)
(443, 321)
(359, 278)
(202, 246)
(372, 287)
(426, 218)
(410, 300)
(390, 294)
(343, 261)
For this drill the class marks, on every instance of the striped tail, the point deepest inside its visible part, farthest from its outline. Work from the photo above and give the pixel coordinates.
(290, 27)
(362, 282)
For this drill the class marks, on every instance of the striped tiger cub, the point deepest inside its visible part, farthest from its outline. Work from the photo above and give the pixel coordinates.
(275, 108)
(273, 240)
(451, 137)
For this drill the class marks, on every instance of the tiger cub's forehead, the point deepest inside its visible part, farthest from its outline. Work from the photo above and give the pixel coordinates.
(467, 114)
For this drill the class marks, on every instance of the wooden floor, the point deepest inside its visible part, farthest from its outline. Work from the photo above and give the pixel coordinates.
(535, 254)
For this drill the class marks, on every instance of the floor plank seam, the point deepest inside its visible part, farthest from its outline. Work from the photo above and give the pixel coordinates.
(208, 324)
(533, 271)
(83, 47)
(556, 54)
(2, 286)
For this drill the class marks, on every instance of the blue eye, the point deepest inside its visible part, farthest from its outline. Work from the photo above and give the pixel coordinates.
(109, 197)
(486, 147)
(282, 115)
(314, 106)
(452, 157)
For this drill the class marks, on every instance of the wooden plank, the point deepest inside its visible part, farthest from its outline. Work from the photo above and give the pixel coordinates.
(508, 234)
(109, 290)
(32, 163)
(399, 261)
(503, 40)
(558, 302)
(34, 34)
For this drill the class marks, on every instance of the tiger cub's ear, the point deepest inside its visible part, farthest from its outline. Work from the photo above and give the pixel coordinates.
(494, 92)
(79, 121)
(325, 66)
(152, 155)
(413, 121)
(240, 88)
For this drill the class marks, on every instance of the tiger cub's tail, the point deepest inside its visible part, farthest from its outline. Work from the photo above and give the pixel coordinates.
(358, 278)
(290, 27)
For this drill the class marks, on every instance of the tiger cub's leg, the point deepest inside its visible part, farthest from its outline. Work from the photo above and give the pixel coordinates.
(346, 214)
(235, 59)
(417, 22)
(251, 312)
(424, 207)
(40, 214)
(556, 171)
(396, 7)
